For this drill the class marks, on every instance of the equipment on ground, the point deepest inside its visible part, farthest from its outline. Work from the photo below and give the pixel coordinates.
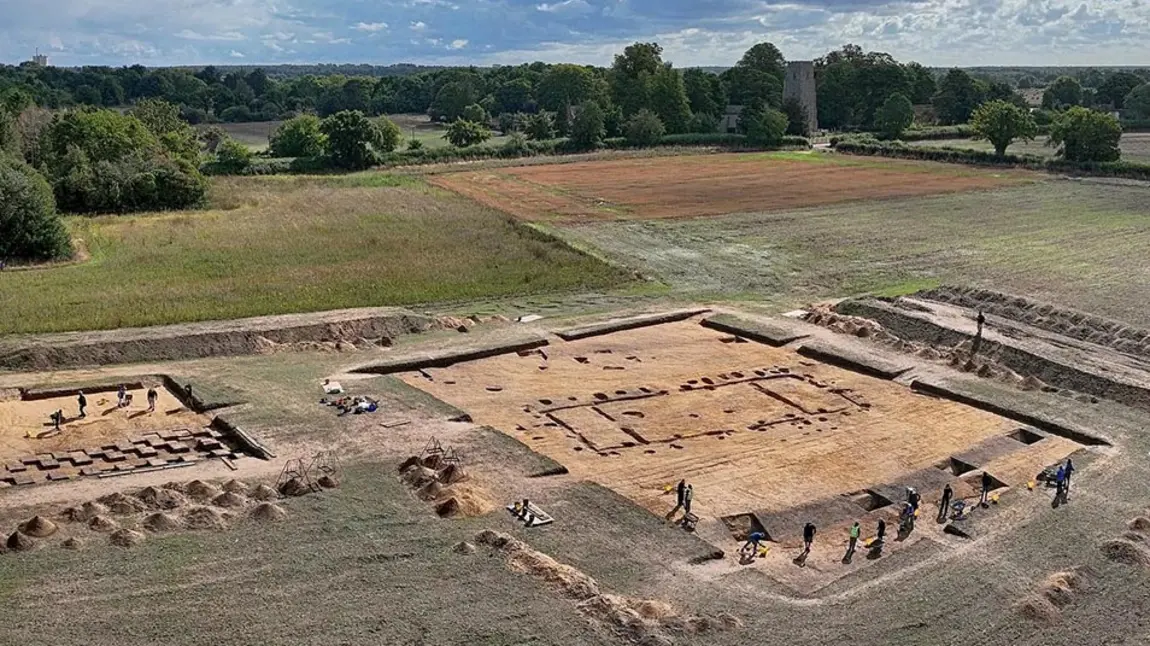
(530, 514)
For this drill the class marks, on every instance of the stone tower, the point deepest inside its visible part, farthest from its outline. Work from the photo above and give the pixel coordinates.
(800, 84)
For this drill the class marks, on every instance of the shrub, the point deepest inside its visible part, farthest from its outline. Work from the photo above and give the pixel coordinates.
(644, 128)
(298, 137)
(352, 139)
(588, 128)
(701, 122)
(463, 133)
(475, 113)
(29, 226)
(389, 135)
(236, 114)
(233, 158)
(1085, 135)
(508, 123)
(767, 128)
(1001, 122)
(895, 116)
(540, 126)
(138, 182)
(414, 144)
(516, 145)
(211, 138)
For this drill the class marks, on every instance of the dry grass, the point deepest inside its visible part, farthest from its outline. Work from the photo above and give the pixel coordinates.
(291, 244)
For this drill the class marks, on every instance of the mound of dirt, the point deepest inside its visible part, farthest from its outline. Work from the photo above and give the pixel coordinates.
(419, 476)
(447, 508)
(1126, 552)
(328, 482)
(101, 523)
(264, 492)
(201, 491)
(235, 486)
(39, 527)
(294, 487)
(72, 544)
(451, 474)
(1139, 524)
(1038, 609)
(204, 518)
(268, 512)
(498, 540)
(570, 581)
(463, 547)
(161, 522)
(18, 542)
(1060, 588)
(161, 498)
(175, 486)
(118, 503)
(431, 491)
(126, 538)
(469, 500)
(229, 500)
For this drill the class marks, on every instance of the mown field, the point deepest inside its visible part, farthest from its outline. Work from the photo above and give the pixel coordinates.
(1135, 146)
(255, 134)
(293, 244)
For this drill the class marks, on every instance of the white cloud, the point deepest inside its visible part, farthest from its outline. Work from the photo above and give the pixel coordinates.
(565, 5)
(370, 26)
(418, 25)
(189, 34)
(434, 3)
(235, 54)
(458, 44)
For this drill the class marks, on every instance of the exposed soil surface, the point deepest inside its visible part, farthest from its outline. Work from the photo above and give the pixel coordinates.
(676, 187)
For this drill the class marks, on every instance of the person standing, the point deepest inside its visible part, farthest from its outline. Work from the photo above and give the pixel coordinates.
(880, 533)
(680, 494)
(978, 334)
(944, 504)
(854, 539)
(1069, 470)
(82, 401)
(688, 496)
(1060, 485)
(987, 483)
(121, 396)
(808, 537)
(58, 418)
(913, 498)
(152, 397)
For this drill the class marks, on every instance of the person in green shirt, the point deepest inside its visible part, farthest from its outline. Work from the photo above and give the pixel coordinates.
(854, 539)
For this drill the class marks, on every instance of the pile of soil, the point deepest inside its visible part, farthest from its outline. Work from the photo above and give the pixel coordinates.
(470, 500)
(1126, 552)
(1038, 609)
(1061, 587)
(39, 527)
(463, 547)
(264, 492)
(118, 503)
(431, 491)
(161, 522)
(294, 487)
(268, 512)
(447, 508)
(175, 486)
(328, 482)
(161, 498)
(18, 542)
(419, 476)
(126, 538)
(1140, 524)
(72, 544)
(235, 486)
(229, 500)
(200, 491)
(451, 474)
(204, 518)
(101, 523)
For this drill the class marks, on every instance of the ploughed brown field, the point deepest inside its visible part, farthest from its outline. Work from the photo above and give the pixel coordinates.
(701, 185)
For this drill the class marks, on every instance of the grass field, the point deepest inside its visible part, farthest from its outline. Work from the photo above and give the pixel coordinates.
(255, 134)
(292, 244)
(1135, 146)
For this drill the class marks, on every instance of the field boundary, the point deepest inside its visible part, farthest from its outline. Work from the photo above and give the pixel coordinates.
(627, 323)
(854, 360)
(774, 333)
(445, 358)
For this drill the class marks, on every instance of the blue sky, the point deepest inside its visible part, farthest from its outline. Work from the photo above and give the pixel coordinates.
(692, 32)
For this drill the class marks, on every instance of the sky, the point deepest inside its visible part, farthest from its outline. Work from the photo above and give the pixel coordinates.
(484, 32)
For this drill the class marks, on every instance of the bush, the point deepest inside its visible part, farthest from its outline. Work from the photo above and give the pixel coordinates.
(962, 131)
(895, 116)
(701, 122)
(1001, 122)
(29, 226)
(767, 128)
(475, 113)
(588, 128)
(516, 146)
(298, 137)
(139, 182)
(1085, 135)
(644, 128)
(233, 158)
(540, 126)
(462, 134)
(352, 139)
(389, 135)
(508, 123)
(414, 144)
(236, 114)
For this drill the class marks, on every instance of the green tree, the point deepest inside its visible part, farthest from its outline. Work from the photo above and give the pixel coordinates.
(1065, 92)
(389, 135)
(233, 158)
(513, 96)
(797, 122)
(1138, 101)
(101, 135)
(1116, 87)
(539, 126)
(630, 76)
(765, 58)
(451, 100)
(352, 139)
(298, 137)
(763, 126)
(29, 226)
(703, 122)
(1085, 135)
(958, 95)
(475, 113)
(922, 83)
(644, 128)
(211, 138)
(163, 120)
(9, 139)
(588, 129)
(565, 85)
(509, 123)
(463, 133)
(1001, 122)
(705, 92)
(668, 97)
(414, 144)
(895, 116)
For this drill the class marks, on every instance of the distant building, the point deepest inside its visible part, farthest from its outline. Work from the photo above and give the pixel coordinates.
(800, 84)
(729, 122)
(40, 60)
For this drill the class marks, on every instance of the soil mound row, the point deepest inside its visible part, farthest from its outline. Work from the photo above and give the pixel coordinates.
(642, 621)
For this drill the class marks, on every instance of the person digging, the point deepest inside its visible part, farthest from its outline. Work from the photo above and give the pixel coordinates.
(808, 537)
(680, 492)
(752, 544)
